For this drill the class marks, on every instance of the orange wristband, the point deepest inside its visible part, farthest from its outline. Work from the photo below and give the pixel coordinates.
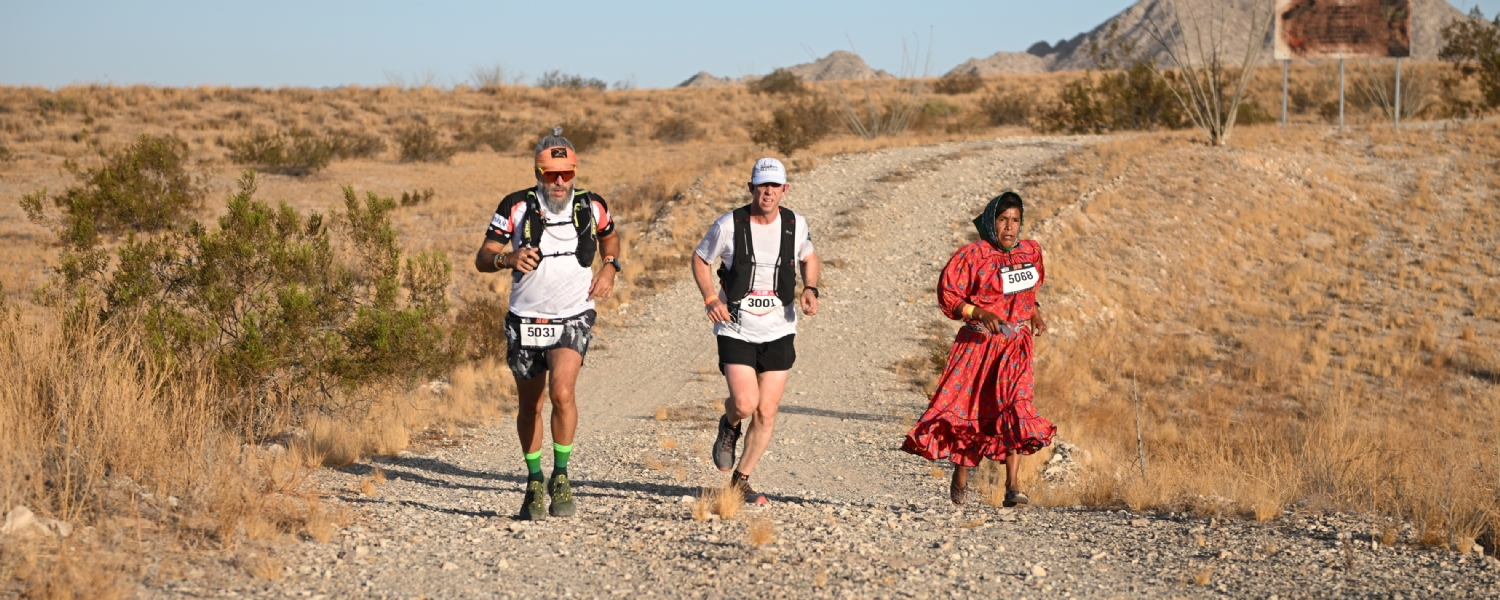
(968, 311)
(710, 300)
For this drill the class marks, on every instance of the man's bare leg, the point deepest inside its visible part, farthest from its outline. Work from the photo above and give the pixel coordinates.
(770, 385)
(563, 365)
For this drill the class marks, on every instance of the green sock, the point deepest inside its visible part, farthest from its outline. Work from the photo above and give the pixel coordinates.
(560, 454)
(534, 465)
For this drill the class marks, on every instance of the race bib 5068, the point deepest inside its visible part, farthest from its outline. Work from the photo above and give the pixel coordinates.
(1018, 278)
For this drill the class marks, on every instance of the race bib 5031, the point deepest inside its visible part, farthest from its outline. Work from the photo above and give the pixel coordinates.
(540, 335)
(1018, 278)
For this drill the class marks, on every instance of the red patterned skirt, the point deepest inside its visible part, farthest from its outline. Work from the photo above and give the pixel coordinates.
(982, 406)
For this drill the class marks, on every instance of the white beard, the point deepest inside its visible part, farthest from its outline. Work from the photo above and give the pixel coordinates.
(563, 206)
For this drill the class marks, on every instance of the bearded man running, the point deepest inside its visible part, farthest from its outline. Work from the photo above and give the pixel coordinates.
(550, 235)
(754, 311)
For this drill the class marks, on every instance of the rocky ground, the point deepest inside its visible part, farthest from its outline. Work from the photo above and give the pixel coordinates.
(850, 515)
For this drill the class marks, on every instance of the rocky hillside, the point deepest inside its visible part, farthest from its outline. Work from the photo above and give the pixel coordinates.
(1428, 18)
(837, 66)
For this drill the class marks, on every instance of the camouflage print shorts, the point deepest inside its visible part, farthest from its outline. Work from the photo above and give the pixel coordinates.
(528, 340)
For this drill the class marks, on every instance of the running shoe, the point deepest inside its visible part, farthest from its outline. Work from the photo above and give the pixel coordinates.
(725, 444)
(534, 507)
(751, 496)
(562, 496)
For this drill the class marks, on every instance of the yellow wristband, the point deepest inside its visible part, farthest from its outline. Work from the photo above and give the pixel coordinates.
(968, 311)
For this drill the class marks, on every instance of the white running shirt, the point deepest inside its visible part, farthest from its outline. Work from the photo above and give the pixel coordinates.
(559, 287)
(718, 243)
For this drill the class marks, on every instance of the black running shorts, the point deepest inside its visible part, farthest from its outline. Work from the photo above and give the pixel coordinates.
(775, 355)
(528, 340)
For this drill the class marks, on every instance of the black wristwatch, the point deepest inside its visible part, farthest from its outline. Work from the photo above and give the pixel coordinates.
(615, 262)
(814, 290)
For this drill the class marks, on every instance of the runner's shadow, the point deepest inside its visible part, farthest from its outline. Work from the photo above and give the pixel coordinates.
(834, 414)
(487, 514)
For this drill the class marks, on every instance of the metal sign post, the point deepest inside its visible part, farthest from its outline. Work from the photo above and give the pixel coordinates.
(1398, 92)
(1341, 93)
(1285, 64)
(1319, 29)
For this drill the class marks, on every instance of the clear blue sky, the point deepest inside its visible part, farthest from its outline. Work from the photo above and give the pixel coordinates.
(321, 43)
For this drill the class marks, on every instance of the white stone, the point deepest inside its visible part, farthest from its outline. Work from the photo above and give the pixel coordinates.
(1038, 571)
(18, 520)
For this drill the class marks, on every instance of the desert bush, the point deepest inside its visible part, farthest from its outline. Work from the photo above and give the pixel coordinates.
(939, 115)
(1474, 46)
(142, 187)
(297, 152)
(559, 79)
(59, 104)
(349, 143)
(780, 81)
(483, 320)
(283, 314)
(1135, 99)
(490, 131)
(1252, 113)
(585, 134)
(416, 197)
(5, 154)
(953, 85)
(794, 126)
(420, 142)
(491, 77)
(675, 130)
(1010, 108)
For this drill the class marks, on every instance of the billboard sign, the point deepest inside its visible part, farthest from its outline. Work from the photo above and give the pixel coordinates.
(1343, 29)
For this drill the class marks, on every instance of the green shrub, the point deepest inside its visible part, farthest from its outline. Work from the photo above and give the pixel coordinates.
(558, 79)
(348, 143)
(585, 134)
(1252, 113)
(298, 152)
(1473, 44)
(1133, 99)
(780, 81)
(675, 130)
(420, 142)
(416, 197)
(1011, 108)
(795, 126)
(938, 115)
(490, 131)
(142, 187)
(284, 314)
(958, 84)
(484, 322)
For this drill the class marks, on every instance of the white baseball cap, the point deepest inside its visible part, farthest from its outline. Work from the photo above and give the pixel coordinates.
(768, 170)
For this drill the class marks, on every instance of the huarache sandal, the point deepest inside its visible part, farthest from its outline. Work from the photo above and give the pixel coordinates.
(958, 493)
(1015, 498)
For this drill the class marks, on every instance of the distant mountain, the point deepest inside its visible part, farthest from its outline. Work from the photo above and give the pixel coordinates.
(839, 65)
(1428, 18)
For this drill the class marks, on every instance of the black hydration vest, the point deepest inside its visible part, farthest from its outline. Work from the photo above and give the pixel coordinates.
(736, 280)
(583, 223)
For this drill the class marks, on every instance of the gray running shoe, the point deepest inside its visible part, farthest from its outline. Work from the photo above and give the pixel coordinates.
(534, 507)
(725, 444)
(751, 496)
(562, 497)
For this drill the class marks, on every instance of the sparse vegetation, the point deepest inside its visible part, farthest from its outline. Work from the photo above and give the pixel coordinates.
(142, 187)
(559, 79)
(794, 126)
(958, 84)
(1474, 46)
(1135, 99)
(676, 130)
(780, 81)
(586, 135)
(492, 132)
(421, 142)
(351, 143)
(297, 152)
(1010, 108)
(416, 197)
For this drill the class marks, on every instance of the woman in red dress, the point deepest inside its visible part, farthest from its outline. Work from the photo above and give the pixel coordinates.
(982, 406)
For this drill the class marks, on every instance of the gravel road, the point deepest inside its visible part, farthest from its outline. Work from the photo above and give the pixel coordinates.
(850, 515)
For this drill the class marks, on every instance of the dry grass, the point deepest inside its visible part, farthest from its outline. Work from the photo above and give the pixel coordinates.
(727, 502)
(1306, 317)
(760, 532)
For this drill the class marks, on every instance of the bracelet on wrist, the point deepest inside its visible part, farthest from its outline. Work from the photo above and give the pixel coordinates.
(968, 311)
(499, 261)
(710, 301)
(813, 289)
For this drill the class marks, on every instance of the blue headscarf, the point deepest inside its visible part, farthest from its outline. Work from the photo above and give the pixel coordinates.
(985, 222)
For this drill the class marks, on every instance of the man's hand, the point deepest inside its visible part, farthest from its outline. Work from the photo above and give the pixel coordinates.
(525, 260)
(717, 312)
(1038, 324)
(809, 302)
(604, 283)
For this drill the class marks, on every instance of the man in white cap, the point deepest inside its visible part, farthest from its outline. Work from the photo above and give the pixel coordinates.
(753, 310)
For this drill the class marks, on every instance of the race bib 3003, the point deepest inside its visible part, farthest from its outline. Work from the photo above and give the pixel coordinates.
(761, 303)
(540, 335)
(1018, 278)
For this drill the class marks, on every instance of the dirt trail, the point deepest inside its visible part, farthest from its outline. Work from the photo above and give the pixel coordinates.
(851, 514)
